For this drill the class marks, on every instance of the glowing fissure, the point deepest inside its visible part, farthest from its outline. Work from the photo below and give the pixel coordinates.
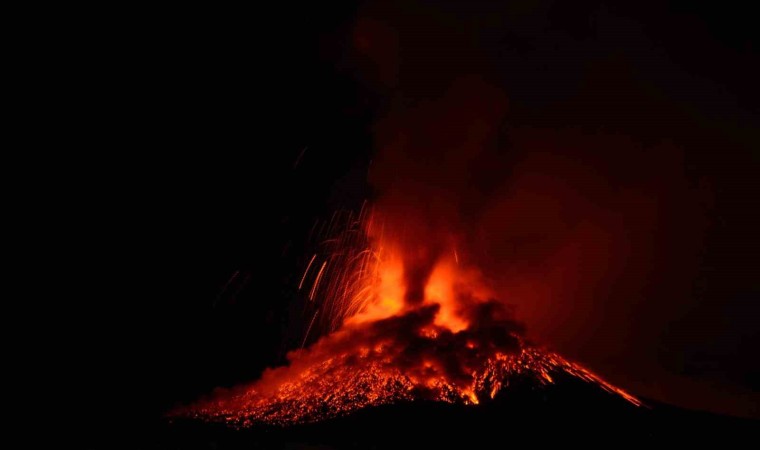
(379, 345)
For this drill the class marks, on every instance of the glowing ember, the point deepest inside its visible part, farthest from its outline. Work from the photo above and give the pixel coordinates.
(335, 387)
(456, 344)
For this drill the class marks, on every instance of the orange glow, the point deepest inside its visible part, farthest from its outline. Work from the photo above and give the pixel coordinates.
(381, 348)
(298, 393)
(387, 290)
(440, 290)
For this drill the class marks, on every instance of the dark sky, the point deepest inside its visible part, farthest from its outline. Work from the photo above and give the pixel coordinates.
(609, 189)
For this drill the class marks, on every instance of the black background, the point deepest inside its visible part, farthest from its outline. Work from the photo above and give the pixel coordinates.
(211, 143)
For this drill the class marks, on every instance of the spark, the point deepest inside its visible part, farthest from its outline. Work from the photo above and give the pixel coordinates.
(355, 362)
(309, 329)
(224, 288)
(317, 280)
(300, 155)
(300, 285)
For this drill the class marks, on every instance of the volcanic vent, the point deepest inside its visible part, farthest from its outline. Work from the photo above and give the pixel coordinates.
(400, 325)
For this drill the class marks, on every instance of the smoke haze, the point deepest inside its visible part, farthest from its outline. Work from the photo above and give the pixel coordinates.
(555, 156)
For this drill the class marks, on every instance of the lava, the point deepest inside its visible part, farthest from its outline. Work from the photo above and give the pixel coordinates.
(449, 340)
(347, 382)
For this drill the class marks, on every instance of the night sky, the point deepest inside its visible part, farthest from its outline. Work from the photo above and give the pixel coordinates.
(599, 160)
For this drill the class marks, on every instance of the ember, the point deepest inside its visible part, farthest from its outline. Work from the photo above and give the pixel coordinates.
(386, 341)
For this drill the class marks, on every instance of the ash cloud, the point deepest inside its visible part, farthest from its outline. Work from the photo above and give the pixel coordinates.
(545, 146)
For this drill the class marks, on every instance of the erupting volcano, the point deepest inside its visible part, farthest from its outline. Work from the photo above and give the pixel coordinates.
(400, 322)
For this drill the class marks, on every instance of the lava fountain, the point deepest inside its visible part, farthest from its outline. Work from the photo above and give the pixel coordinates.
(401, 322)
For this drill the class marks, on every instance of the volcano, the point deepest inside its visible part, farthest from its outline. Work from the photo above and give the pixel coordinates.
(404, 326)
(415, 341)
(340, 377)
(364, 400)
(531, 396)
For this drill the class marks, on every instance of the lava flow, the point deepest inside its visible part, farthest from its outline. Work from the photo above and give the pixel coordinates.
(399, 326)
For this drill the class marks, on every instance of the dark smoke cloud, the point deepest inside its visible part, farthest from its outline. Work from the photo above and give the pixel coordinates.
(544, 146)
(422, 174)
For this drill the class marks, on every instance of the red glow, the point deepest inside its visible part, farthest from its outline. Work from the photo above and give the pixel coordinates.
(457, 345)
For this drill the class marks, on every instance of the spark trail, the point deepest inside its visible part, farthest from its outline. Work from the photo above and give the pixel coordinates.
(457, 345)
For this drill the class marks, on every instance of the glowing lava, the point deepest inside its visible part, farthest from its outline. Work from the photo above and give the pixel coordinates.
(456, 345)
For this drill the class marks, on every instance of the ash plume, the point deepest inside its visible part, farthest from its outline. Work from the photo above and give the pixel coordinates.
(547, 163)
